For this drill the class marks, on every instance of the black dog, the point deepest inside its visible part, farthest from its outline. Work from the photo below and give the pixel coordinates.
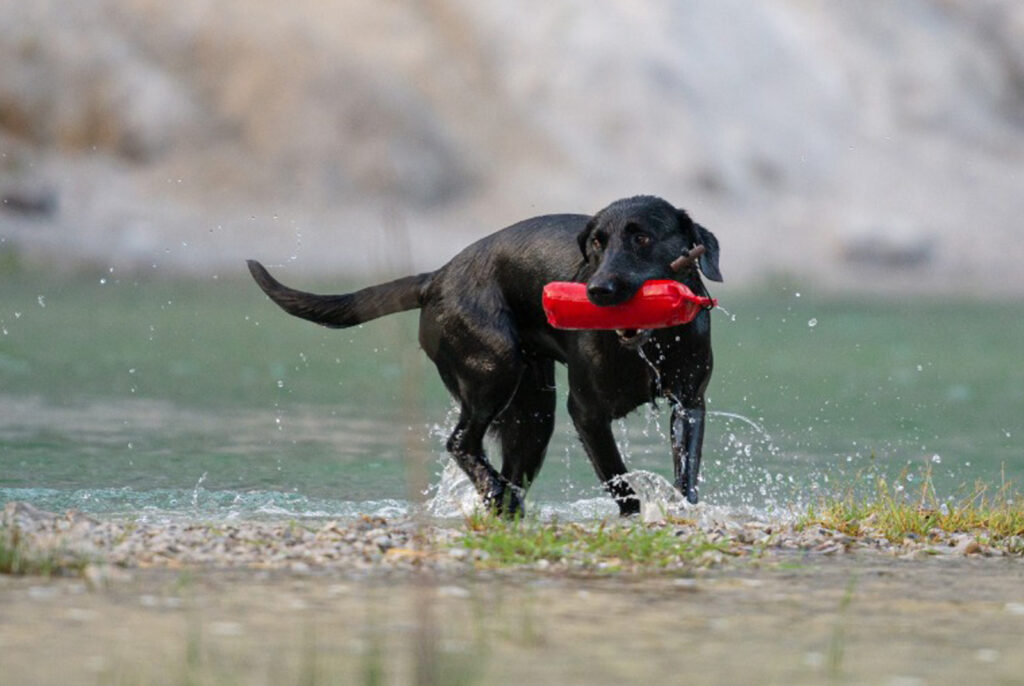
(482, 324)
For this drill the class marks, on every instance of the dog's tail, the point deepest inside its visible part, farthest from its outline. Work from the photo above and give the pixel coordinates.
(349, 309)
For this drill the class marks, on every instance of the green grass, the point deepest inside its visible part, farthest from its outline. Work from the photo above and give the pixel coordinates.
(19, 558)
(606, 547)
(996, 516)
(837, 642)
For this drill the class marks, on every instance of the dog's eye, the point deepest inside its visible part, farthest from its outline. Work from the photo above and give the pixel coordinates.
(597, 242)
(641, 240)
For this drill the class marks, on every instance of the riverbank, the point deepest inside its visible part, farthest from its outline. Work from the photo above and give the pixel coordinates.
(100, 549)
(376, 602)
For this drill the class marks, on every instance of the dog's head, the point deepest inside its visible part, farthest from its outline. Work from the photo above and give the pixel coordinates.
(634, 240)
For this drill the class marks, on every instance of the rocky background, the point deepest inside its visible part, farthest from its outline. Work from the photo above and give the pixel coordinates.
(873, 144)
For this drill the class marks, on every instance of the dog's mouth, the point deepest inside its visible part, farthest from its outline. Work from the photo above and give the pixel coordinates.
(633, 338)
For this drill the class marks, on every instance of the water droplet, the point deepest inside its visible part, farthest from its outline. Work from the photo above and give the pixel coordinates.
(41, 300)
(812, 322)
(280, 384)
(920, 368)
(937, 459)
(797, 294)
(103, 282)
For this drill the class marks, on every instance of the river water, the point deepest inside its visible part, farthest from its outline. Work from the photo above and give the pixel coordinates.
(147, 397)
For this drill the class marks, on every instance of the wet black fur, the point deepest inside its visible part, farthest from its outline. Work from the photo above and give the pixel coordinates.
(482, 324)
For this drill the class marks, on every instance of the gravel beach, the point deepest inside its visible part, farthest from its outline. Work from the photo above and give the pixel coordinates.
(370, 545)
(370, 601)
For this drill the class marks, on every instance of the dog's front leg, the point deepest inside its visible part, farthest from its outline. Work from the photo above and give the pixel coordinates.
(687, 442)
(595, 431)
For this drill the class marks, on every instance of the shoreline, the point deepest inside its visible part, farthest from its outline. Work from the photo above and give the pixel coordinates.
(373, 601)
(809, 614)
(100, 548)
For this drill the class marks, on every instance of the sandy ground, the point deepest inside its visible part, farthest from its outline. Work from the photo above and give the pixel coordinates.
(377, 602)
(789, 619)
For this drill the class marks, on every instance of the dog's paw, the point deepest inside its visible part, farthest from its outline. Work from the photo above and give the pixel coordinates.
(624, 495)
(505, 500)
(628, 506)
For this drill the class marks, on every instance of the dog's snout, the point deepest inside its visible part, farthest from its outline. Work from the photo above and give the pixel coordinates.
(611, 289)
(604, 292)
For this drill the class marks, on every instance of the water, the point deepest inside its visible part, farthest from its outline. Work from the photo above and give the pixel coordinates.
(200, 399)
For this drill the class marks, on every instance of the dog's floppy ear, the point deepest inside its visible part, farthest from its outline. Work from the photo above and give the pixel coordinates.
(583, 239)
(709, 260)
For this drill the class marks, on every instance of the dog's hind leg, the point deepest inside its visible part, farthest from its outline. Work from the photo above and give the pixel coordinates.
(479, 407)
(466, 445)
(482, 369)
(525, 426)
(595, 431)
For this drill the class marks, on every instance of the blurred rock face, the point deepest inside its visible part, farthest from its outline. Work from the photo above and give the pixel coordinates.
(242, 81)
(325, 131)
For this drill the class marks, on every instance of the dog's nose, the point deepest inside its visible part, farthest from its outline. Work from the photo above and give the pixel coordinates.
(602, 292)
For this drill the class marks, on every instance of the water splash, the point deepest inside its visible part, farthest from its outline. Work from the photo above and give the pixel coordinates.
(454, 494)
(738, 458)
(747, 420)
(195, 491)
(729, 315)
(658, 497)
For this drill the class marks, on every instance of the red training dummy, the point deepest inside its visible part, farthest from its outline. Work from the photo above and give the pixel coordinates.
(656, 305)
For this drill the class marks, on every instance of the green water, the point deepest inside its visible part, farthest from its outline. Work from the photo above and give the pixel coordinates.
(199, 398)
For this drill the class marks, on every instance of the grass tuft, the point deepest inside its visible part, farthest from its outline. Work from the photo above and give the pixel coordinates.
(18, 558)
(605, 547)
(897, 513)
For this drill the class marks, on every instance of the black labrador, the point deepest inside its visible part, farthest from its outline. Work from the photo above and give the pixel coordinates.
(482, 324)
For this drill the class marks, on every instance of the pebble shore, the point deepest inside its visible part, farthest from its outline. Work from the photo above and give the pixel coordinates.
(371, 545)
